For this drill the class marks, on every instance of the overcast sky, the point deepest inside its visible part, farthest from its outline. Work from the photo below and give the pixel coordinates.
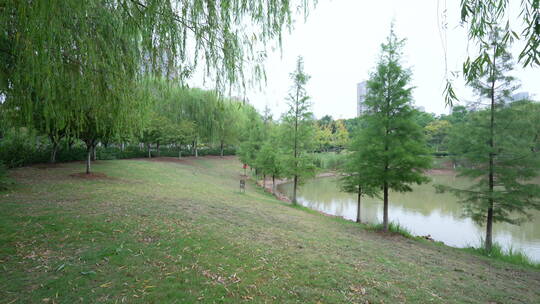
(340, 43)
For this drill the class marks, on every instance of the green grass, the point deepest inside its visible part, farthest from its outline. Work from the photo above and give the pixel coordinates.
(393, 227)
(180, 232)
(497, 252)
(511, 255)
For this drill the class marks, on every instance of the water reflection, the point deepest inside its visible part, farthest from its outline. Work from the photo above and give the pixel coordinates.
(422, 211)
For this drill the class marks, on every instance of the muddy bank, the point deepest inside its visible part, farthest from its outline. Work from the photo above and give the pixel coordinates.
(279, 181)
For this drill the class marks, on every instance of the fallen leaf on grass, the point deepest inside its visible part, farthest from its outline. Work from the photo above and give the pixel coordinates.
(106, 285)
(358, 289)
(60, 267)
(88, 272)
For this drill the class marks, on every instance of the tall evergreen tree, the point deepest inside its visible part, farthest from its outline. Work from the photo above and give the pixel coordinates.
(391, 145)
(298, 130)
(494, 151)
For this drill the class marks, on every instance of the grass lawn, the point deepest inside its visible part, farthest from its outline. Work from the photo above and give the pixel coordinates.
(180, 232)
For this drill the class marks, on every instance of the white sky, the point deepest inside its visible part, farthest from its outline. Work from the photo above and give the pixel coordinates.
(340, 43)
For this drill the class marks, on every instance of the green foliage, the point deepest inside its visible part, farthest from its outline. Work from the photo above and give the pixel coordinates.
(269, 160)
(120, 41)
(329, 160)
(323, 136)
(422, 118)
(514, 163)
(297, 130)
(20, 147)
(340, 137)
(481, 18)
(437, 134)
(253, 137)
(390, 149)
(497, 146)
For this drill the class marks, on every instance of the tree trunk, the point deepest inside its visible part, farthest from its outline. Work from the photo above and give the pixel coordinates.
(179, 152)
(385, 208)
(358, 208)
(273, 184)
(149, 151)
(94, 152)
(264, 181)
(489, 219)
(196, 151)
(53, 153)
(88, 158)
(295, 186)
(221, 148)
(157, 147)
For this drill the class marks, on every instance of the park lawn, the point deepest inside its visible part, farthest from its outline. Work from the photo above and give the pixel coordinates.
(180, 232)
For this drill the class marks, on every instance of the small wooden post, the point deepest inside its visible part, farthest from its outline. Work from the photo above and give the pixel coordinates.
(243, 185)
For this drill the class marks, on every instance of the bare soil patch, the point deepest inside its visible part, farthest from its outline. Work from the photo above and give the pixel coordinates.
(91, 175)
(45, 166)
(441, 172)
(185, 159)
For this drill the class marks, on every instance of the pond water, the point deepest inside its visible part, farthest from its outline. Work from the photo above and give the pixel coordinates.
(423, 212)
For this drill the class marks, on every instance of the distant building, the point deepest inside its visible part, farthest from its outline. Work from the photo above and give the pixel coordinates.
(520, 96)
(361, 91)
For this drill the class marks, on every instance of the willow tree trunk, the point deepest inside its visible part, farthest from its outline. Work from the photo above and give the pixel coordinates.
(179, 152)
(195, 147)
(264, 181)
(358, 208)
(295, 186)
(157, 147)
(221, 148)
(88, 158)
(273, 184)
(489, 219)
(149, 151)
(53, 153)
(385, 208)
(94, 152)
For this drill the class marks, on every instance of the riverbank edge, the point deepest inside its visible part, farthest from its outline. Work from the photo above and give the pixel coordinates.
(513, 257)
(267, 186)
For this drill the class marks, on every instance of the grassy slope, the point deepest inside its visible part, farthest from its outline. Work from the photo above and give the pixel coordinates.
(163, 232)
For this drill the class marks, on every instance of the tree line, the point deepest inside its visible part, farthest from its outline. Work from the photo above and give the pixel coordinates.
(493, 141)
(168, 116)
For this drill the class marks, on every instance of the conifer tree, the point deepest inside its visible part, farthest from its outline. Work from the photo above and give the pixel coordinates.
(494, 147)
(390, 148)
(298, 130)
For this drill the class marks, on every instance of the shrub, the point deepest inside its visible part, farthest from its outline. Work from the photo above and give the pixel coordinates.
(19, 147)
(4, 180)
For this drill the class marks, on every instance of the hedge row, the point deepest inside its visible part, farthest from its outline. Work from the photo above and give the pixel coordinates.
(23, 154)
